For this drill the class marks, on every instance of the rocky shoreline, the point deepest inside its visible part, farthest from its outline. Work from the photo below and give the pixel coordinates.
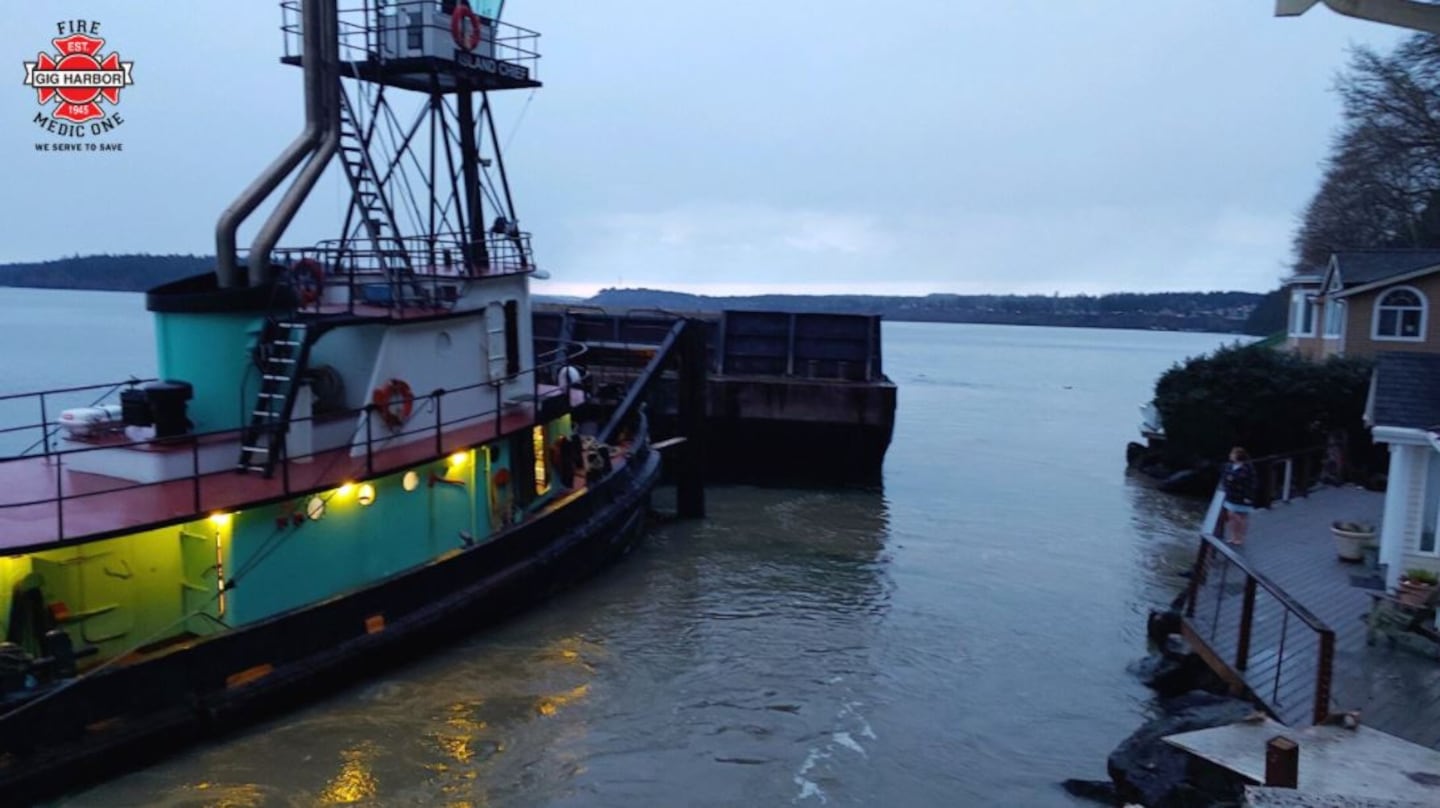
(1144, 770)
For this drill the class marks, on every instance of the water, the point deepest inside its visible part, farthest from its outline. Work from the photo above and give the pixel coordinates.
(959, 637)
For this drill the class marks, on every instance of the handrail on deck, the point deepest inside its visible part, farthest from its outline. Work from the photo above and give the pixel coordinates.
(547, 361)
(1205, 597)
(47, 429)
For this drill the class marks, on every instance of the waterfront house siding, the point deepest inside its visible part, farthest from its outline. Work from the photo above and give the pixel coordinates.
(1361, 312)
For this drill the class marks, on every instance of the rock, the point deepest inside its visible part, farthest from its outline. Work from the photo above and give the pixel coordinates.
(1101, 791)
(1175, 646)
(1162, 624)
(1149, 771)
(1134, 453)
(1188, 481)
(1171, 675)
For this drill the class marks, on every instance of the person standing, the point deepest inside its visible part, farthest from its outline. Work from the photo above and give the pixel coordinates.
(1239, 485)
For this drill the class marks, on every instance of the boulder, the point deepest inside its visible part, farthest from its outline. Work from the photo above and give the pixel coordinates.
(1161, 625)
(1101, 791)
(1149, 771)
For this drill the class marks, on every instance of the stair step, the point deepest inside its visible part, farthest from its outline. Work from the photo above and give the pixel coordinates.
(284, 342)
(265, 414)
(272, 395)
(282, 360)
(259, 449)
(248, 467)
(270, 377)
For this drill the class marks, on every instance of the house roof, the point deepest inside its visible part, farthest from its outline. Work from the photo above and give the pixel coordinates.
(1406, 390)
(1359, 267)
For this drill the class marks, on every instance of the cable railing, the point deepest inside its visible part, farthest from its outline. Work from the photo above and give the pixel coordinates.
(385, 450)
(1250, 630)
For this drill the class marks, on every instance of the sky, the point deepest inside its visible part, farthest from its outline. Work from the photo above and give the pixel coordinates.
(954, 146)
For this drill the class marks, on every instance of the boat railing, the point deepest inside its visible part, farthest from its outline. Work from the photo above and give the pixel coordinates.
(346, 459)
(370, 30)
(401, 274)
(1256, 636)
(45, 405)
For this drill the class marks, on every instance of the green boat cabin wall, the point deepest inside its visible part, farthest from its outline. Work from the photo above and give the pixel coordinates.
(139, 589)
(211, 352)
(353, 545)
(127, 591)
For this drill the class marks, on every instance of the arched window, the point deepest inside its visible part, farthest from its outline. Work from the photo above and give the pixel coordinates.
(1400, 315)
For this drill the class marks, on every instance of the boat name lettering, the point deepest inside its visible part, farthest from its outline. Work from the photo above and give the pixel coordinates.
(487, 64)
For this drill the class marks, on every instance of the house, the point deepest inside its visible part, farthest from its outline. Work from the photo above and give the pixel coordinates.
(1403, 411)
(1364, 302)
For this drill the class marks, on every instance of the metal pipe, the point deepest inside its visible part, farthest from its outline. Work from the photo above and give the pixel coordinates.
(329, 108)
(227, 268)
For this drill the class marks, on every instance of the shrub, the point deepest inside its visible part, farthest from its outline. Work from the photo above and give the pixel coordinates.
(1421, 576)
(1269, 401)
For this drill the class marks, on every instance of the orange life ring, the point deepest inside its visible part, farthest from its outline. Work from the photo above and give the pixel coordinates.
(385, 398)
(467, 37)
(501, 478)
(307, 277)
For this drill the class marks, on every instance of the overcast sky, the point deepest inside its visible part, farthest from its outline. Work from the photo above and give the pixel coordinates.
(766, 145)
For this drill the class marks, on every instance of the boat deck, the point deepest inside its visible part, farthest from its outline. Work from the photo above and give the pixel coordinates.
(1396, 689)
(45, 503)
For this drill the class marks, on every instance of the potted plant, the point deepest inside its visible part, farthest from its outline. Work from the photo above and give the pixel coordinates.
(1351, 539)
(1417, 586)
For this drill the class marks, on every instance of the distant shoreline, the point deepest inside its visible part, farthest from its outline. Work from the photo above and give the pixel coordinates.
(1196, 312)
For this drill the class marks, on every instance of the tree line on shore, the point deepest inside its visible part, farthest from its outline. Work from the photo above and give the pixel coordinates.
(1224, 312)
(1379, 188)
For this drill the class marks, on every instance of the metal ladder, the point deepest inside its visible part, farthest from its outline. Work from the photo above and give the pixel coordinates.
(377, 217)
(282, 354)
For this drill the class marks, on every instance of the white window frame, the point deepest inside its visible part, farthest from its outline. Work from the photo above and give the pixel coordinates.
(1334, 319)
(1375, 315)
(1299, 298)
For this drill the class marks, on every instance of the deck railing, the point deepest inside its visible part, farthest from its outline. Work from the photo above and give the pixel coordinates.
(400, 275)
(1282, 477)
(1255, 635)
(367, 28)
(45, 403)
(294, 474)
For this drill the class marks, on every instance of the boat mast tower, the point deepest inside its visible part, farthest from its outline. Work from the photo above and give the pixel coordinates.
(400, 91)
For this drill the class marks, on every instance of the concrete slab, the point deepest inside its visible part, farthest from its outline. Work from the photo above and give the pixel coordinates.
(1266, 797)
(1334, 761)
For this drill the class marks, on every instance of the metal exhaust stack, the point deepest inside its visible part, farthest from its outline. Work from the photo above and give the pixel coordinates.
(316, 67)
(328, 114)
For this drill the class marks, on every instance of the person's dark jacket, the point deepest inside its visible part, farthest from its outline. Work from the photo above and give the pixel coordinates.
(1239, 484)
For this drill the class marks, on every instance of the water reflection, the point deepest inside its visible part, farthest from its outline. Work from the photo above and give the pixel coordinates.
(356, 779)
(1165, 526)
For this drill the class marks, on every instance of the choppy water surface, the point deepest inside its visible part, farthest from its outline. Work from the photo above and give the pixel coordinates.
(957, 638)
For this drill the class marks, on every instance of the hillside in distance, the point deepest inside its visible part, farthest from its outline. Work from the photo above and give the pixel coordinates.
(1223, 312)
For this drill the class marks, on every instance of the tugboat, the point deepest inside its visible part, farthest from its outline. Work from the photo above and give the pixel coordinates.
(352, 446)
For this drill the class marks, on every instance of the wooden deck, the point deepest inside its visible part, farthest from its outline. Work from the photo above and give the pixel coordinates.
(1397, 689)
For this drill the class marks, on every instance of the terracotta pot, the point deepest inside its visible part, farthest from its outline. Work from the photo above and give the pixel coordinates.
(1414, 594)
